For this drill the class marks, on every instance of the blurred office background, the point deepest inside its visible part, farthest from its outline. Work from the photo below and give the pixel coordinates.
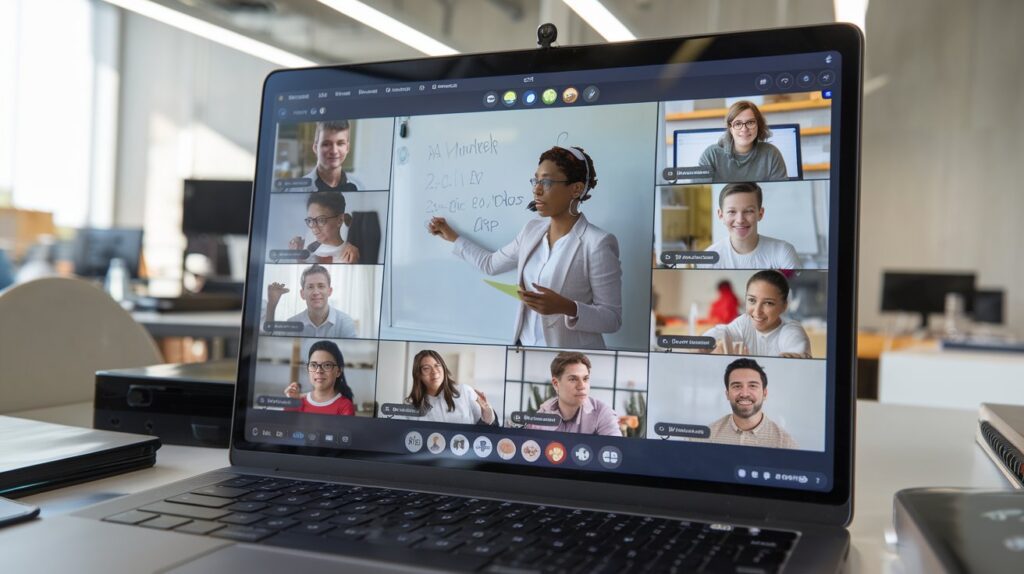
(109, 107)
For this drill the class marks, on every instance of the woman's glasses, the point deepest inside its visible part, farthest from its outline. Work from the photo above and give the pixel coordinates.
(546, 183)
(319, 221)
(738, 124)
(314, 367)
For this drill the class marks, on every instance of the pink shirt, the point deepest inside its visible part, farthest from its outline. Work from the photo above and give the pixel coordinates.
(593, 417)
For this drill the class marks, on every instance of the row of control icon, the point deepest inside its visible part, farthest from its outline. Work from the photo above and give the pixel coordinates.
(785, 80)
(321, 437)
(506, 448)
(549, 96)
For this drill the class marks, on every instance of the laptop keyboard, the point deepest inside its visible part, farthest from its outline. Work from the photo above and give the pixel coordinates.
(458, 533)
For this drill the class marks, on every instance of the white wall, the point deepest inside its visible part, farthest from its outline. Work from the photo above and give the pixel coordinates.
(189, 109)
(941, 146)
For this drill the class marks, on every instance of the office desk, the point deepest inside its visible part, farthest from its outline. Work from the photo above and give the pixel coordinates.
(897, 447)
(204, 325)
(221, 330)
(950, 378)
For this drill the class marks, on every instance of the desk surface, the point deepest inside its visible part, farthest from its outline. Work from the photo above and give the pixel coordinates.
(210, 324)
(897, 447)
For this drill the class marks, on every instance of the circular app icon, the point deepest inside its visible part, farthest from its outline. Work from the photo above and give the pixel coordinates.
(569, 95)
(826, 77)
(436, 443)
(763, 82)
(610, 457)
(804, 79)
(582, 455)
(784, 80)
(482, 447)
(530, 451)
(490, 98)
(590, 94)
(509, 98)
(506, 449)
(549, 96)
(555, 453)
(413, 441)
(530, 97)
(459, 445)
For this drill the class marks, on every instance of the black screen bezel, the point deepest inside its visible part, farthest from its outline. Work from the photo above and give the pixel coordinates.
(843, 39)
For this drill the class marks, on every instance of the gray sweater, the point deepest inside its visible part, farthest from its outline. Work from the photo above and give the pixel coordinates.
(763, 163)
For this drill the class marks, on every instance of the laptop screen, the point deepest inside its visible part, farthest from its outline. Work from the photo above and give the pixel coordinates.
(613, 264)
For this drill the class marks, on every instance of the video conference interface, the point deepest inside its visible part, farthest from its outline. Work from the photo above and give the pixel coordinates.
(551, 279)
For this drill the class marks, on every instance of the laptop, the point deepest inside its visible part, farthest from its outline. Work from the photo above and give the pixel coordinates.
(498, 319)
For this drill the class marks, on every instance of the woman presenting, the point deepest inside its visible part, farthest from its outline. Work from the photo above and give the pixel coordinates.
(761, 330)
(743, 152)
(440, 399)
(331, 394)
(569, 273)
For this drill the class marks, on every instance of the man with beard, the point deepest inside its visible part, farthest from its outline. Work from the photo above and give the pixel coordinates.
(746, 388)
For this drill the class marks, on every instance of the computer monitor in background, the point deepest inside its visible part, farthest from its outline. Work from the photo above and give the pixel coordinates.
(690, 144)
(988, 306)
(216, 207)
(94, 248)
(925, 293)
(215, 221)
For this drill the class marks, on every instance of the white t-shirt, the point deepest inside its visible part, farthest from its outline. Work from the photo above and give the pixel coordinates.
(789, 337)
(538, 269)
(467, 410)
(770, 253)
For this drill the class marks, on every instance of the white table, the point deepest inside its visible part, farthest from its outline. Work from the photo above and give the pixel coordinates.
(950, 378)
(897, 447)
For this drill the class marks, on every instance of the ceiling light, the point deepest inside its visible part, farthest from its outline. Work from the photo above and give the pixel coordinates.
(213, 32)
(387, 25)
(601, 20)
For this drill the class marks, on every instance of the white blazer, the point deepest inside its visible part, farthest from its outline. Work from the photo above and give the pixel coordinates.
(591, 275)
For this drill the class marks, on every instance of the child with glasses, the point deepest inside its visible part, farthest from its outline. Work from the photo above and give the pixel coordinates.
(331, 394)
(325, 214)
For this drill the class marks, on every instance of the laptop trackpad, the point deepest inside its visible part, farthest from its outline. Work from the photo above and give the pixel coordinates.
(255, 559)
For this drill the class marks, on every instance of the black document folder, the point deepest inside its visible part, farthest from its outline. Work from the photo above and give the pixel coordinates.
(37, 456)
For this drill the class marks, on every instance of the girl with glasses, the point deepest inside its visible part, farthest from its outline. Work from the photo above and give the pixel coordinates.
(325, 214)
(743, 152)
(569, 272)
(440, 399)
(331, 394)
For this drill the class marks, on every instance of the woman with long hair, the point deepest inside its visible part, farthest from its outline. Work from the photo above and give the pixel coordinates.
(438, 398)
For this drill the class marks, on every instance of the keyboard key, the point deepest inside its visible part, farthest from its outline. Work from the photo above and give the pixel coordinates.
(350, 519)
(200, 500)
(440, 544)
(439, 531)
(350, 533)
(222, 491)
(270, 484)
(165, 522)
(282, 510)
(327, 504)
(247, 506)
(240, 482)
(362, 549)
(242, 533)
(483, 549)
(314, 515)
(261, 496)
(295, 499)
(131, 517)
(199, 527)
(398, 539)
(313, 528)
(198, 512)
(276, 523)
(242, 518)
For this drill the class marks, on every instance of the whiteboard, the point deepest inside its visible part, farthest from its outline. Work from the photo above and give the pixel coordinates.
(474, 170)
(690, 145)
(789, 214)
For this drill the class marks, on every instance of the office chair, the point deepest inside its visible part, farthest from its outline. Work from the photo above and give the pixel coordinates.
(55, 333)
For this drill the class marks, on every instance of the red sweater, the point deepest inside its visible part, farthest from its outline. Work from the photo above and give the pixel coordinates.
(339, 405)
